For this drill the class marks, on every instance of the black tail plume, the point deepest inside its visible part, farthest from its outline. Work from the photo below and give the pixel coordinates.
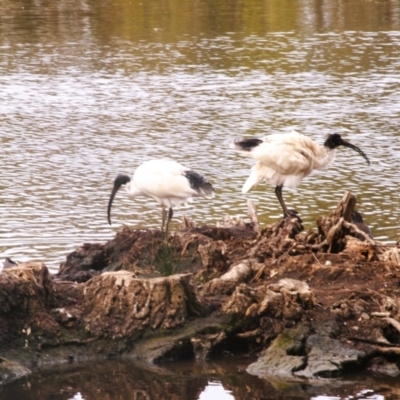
(200, 184)
(246, 144)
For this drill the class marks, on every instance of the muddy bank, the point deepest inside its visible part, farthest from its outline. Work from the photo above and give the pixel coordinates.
(309, 304)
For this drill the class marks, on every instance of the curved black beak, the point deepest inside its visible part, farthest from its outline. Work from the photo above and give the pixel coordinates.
(359, 151)
(120, 180)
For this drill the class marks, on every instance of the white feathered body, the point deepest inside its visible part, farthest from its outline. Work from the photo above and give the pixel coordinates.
(166, 182)
(284, 160)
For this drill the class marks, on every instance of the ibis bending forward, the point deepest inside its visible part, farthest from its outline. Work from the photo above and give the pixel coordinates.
(167, 182)
(284, 160)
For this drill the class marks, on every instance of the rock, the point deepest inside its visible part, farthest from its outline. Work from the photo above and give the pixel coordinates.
(11, 370)
(306, 351)
(381, 366)
(284, 356)
(327, 357)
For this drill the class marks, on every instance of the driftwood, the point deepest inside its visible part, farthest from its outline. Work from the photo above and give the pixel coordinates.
(338, 233)
(253, 216)
(333, 227)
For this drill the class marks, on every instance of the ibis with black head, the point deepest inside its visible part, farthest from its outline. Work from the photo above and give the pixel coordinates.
(283, 160)
(167, 182)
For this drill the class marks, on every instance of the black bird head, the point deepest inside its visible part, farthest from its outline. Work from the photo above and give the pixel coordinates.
(335, 140)
(120, 180)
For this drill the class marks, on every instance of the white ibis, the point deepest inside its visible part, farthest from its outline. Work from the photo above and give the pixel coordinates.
(358, 221)
(167, 182)
(284, 160)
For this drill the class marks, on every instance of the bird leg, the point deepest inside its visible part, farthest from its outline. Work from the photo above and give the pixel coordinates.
(166, 218)
(164, 254)
(170, 214)
(278, 192)
(286, 211)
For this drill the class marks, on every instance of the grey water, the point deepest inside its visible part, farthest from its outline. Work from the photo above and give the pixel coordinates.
(89, 89)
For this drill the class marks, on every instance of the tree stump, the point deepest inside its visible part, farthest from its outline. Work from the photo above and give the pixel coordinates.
(334, 227)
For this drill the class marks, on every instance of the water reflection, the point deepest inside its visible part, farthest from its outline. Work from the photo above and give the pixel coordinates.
(223, 379)
(215, 390)
(165, 21)
(90, 89)
(366, 394)
(77, 396)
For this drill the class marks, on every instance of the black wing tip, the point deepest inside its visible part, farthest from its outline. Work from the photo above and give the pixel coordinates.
(246, 144)
(200, 184)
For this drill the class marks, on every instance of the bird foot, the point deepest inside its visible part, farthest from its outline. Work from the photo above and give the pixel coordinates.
(291, 213)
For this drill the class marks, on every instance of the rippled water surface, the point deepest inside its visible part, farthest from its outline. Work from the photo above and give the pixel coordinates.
(90, 89)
